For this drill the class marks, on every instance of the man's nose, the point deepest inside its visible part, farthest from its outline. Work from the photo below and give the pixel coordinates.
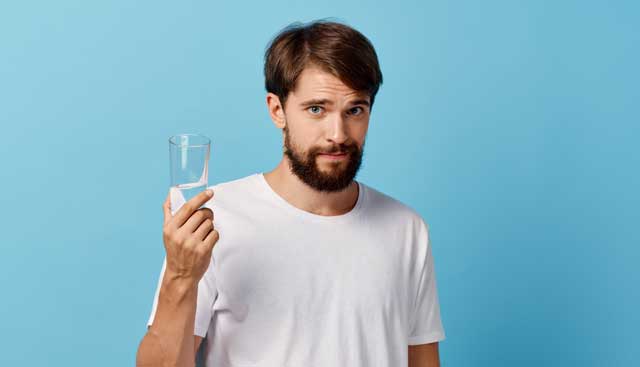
(338, 130)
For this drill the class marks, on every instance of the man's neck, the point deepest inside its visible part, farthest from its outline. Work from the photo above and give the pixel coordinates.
(297, 193)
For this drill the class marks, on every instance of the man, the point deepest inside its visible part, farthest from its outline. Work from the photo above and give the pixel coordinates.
(311, 268)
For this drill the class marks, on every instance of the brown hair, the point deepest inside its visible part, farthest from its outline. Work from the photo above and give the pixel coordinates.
(333, 47)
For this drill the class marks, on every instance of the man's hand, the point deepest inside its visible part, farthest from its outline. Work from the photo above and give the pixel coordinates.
(189, 237)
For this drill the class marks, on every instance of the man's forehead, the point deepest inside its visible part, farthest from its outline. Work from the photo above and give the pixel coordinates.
(316, 83)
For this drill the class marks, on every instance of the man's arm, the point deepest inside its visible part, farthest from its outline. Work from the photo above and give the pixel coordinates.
(170, 340)
(189, 238)
(196, 345)
(424, 355)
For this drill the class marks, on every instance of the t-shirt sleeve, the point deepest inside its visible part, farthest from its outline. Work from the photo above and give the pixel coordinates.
(426, 325)
(207, 293)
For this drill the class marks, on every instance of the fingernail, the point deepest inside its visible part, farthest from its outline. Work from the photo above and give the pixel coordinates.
(209, 192)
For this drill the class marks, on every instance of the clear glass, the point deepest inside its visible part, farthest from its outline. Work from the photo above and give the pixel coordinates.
(189, 167)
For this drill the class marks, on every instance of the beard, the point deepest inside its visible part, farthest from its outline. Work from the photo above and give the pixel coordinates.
(340, 173)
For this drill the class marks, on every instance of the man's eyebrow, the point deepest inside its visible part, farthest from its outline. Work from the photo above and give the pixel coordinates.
(323, 101)
(362, 102)
(316, 101)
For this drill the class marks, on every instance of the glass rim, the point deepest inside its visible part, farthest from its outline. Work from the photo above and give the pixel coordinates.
(208, 140)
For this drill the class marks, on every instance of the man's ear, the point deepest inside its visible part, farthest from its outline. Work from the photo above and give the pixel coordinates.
(276, 110)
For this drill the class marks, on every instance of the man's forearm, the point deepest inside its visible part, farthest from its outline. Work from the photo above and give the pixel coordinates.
(170, 339)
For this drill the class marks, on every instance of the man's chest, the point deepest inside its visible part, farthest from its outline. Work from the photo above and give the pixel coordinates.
(311, 269)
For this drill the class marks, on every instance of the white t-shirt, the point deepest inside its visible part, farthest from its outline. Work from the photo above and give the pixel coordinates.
(288, 288)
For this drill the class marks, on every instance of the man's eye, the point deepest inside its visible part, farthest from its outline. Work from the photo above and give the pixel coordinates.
(315, 109)
(356, 110)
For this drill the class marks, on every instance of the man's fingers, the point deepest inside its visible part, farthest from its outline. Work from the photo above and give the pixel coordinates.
(191, 206)
(166, 208)
(205, 227)
(196, 219)
(211, 239)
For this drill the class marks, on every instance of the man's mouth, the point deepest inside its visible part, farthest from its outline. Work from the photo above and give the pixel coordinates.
(333, 156)
(339, 153)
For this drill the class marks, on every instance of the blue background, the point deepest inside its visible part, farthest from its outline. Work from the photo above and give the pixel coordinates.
(511, 126)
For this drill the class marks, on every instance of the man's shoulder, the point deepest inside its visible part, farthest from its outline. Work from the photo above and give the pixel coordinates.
(379, 201)
(235, 192)
(241, 183)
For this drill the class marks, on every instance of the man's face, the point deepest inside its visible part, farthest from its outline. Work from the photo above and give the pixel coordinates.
(326, 126)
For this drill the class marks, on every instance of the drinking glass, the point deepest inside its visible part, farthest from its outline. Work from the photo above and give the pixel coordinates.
(189, 167)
